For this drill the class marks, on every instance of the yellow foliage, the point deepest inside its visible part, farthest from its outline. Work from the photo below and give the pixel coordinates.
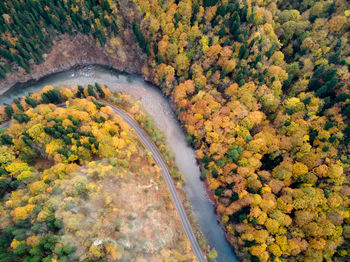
(66, 93)
(272, 225)
(17, 167)
(15, 243)
(214, 50)
(260, 252)
(257, 199)
(277, 58)
(282, 242)
(23, 212)
(112, 250)
(6, 155)
(46, 89)
(299, 169)
(44, 214)
(261, 236)
(213, 184)
(205, 43)
(95, 251)
(225, 218)
(24, 175)
(308, 197)
(53, 146)
(232, 89)
(335, 171)
(165, 72)
(337, 23)
(38, 187)
(33, 241)
(35, 131)
(275, 250)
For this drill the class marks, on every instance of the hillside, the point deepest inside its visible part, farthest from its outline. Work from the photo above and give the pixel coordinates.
(78, 185)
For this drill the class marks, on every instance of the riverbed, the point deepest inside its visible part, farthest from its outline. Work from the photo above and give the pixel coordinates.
(159, 108)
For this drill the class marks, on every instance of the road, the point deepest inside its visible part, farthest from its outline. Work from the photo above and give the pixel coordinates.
(166, 175)
(168, 179)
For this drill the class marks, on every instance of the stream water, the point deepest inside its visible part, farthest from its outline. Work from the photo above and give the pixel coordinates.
(160, 109)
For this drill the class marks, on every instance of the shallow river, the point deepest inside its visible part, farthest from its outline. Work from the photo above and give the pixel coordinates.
(159, 108)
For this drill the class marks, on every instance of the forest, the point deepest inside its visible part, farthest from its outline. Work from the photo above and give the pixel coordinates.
(66, 177)
(261, 88)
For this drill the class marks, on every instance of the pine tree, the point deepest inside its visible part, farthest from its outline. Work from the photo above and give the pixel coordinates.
(2, 73)
(222, 31)
(144, 43)
(30, 101)
(8, 111)
(208, 3)
(243, 13)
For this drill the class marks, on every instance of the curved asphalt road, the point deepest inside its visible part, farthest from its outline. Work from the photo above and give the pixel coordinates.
(166, 175)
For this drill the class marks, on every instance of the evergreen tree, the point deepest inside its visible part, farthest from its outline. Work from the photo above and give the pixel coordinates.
(208, 3)
(91, 91)
(2, 73)
(30, 101)
(8, 111)
(222, 31)
(144, 43)
(52, 96)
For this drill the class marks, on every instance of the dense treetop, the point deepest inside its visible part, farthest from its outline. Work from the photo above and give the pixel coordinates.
(262, 89)
(77, 185)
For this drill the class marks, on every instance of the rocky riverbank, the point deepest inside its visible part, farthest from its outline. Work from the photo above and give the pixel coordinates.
(211, 199)
(69, 52)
